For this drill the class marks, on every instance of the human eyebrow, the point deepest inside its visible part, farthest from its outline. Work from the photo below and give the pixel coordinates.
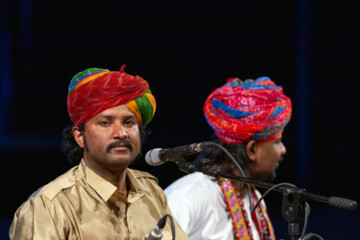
(130, 117)
(106, 117)
(279, 139)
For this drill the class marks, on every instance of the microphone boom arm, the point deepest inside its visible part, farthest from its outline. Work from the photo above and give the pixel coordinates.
(342, 203)
(294, 206)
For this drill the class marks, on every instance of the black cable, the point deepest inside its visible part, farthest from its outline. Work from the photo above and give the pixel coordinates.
(172, 226)
(310, 235)
(156, 233)
(162, 223)
(307, 213)
(237, 165)
(268, 191)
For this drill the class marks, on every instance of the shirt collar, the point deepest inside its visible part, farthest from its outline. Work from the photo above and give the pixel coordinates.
(104, 188)
(134, 184)
(135, 191)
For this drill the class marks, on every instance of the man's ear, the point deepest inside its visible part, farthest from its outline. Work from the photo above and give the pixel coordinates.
(251, 147)
(78, 136)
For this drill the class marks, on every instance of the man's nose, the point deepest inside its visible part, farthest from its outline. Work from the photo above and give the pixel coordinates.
(120, 131)
(283, 149)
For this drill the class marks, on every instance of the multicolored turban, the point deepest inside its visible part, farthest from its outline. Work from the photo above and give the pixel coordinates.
(94, 90)
(250, 110)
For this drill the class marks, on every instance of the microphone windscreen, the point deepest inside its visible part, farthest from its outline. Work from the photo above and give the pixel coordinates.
(152, 157)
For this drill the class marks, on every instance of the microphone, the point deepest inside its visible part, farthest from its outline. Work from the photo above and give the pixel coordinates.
(158, 156)
(156, 233)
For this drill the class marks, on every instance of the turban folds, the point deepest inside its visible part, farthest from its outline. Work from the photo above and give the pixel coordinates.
(94, 90)
(250, 110)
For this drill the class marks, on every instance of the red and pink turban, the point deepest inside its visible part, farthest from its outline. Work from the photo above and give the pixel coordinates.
(250, 110)
(94, 90)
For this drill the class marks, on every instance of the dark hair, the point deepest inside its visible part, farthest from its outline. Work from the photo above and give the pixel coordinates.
(220, 158)
(75, 153)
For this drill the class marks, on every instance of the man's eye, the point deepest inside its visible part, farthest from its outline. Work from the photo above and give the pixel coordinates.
(104, 123)
(129, 122)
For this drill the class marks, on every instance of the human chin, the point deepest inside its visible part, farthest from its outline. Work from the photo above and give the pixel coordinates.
(272, 177)
(120, 159)
(268, 176)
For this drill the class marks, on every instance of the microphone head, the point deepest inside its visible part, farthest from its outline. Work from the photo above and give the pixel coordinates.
(152, 157)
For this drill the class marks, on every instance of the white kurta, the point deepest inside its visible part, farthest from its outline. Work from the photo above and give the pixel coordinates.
(197, 202)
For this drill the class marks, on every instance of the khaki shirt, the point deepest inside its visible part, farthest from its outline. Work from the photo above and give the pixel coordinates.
(82, 205)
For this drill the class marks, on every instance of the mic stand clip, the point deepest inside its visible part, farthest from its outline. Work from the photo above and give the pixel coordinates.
(293, 210)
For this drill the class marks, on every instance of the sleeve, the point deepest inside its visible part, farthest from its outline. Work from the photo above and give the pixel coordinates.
(181, 209)
(33, 220)
(179, 229)
(180, 232)
(159, 202)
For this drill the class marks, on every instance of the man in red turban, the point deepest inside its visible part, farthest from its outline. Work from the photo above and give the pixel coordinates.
(100, 198)
(248, 118)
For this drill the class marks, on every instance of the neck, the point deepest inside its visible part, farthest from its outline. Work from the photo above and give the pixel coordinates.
(240, 188)
(116, 178)
(119, 181)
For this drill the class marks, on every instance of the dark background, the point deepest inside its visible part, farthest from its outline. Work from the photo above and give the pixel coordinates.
(185, 50)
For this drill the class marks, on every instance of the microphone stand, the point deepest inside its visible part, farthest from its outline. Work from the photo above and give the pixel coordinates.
(293, 200)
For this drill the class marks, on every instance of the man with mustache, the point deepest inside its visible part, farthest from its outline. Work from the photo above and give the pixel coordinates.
(248, 118)
(101, 198)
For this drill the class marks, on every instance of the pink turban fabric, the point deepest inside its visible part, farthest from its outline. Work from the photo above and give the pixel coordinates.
(241, 111)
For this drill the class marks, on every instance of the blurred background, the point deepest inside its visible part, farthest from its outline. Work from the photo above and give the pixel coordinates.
(185, 50)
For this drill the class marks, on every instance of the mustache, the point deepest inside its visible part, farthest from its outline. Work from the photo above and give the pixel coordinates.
(119, 143)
